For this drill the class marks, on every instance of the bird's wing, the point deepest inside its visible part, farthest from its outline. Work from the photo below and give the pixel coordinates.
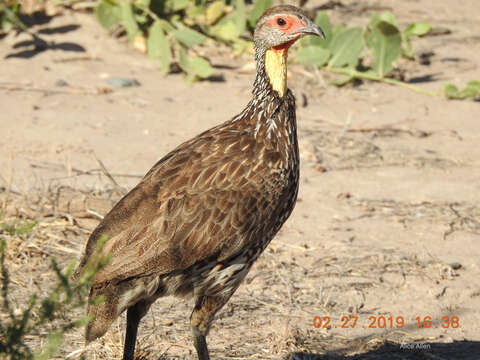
(199, 201)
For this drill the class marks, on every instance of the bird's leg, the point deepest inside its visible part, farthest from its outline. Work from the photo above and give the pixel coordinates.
(202, 316)
(200, 343)
(134, 315)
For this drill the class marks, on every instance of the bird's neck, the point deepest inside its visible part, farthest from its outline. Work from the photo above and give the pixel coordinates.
(276, 69)
(271, 71)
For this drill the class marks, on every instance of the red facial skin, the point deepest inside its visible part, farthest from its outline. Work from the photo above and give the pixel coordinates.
(291, 25)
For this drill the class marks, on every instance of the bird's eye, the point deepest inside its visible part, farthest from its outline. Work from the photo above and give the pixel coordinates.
(281, 21)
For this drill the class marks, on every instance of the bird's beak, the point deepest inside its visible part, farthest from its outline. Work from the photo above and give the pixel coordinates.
(311, 29)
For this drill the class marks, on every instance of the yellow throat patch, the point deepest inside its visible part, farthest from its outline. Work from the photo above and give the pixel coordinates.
(276, 67)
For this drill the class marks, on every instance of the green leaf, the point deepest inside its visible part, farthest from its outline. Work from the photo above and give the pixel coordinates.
(141, 18)
(312, 56)
(215, 11)
(6, 26)
(451, 91)
(259, 7)
(385, 16)
(176, 5)
(166, 26)
(472, 91)
(374, 19)
(11, 15)
(469, 93)
(159, 47)
(194, 68)
(189, 37)
(474, 84)
(346, 47)
(128, 20)
(144, 3)
(108, 13)
(196, 13)
(386, 42)
(417, 29)
(412, 31)
(240, 16)
(407, 50)
(337, 29)
(388, 17)
(226, 31)
(201, 67)
(323, 21)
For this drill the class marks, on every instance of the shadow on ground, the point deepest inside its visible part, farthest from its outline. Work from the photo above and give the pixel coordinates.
(27, 49)
(457, 350)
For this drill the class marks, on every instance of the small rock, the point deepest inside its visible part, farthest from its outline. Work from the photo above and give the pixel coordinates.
(118, 82)
(61, 83)
(344, 195)
(456, 266)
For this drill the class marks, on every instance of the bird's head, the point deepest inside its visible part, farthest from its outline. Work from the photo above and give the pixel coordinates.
(277, 29)
(280, 26)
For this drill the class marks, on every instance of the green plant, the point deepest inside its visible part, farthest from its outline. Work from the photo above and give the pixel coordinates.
(172, 30)
(48, 314)
(17, 228)
(346, 51)
(412, 31)
(9, 20)
(471, 91)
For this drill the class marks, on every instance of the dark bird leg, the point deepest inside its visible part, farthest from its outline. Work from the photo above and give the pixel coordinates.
(134, 315)
(200, 320)
(200, 344)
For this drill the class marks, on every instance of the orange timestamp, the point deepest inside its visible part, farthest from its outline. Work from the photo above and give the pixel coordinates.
(385, 322)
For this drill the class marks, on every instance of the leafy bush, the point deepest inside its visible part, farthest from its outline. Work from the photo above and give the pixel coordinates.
(169, 29)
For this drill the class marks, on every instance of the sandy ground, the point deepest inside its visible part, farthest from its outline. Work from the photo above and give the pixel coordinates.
(388, 218)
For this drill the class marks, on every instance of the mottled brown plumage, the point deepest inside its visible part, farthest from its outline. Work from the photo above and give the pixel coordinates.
(204, 213)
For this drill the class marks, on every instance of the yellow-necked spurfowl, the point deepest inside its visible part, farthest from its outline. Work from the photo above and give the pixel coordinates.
(205, 212)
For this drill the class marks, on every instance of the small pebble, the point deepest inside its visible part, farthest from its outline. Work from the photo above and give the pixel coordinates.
(118, 82)
(456, 266)
(61, 83)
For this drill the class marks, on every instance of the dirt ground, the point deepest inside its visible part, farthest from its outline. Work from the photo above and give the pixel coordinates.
(388, 218)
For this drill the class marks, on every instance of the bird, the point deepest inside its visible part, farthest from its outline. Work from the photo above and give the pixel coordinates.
(204, 213)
